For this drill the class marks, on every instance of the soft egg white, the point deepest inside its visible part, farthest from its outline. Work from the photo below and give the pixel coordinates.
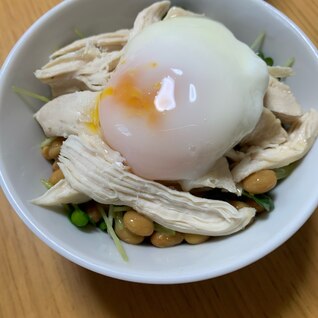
(185, 92)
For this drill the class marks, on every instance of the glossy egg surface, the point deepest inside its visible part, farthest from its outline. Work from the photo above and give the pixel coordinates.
(185, 92)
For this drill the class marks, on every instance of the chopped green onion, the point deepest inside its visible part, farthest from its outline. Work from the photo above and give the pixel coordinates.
(78, 217)
(290, 62)
(258, 43)
(79, 33)
(283, 172)
(24, 92)
(112, 234)
(163, 229)
(261, 199)
(46, 183)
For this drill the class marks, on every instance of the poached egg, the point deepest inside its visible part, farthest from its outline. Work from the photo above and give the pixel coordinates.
(185, 92)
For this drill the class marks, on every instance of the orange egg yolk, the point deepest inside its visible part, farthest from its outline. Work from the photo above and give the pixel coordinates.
(131, 97)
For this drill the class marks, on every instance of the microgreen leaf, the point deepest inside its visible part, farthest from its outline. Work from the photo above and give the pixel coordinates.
(112, 234)
(290, 62)
(24, 92)
(283, 172)
(258, 43)
(263, 200)
(79, 33)
(46, 183)
(268, 60)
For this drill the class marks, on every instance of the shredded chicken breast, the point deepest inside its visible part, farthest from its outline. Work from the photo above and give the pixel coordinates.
(78, 72)
(301, 137)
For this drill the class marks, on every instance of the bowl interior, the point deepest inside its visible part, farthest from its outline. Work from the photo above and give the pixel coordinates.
(22, 167)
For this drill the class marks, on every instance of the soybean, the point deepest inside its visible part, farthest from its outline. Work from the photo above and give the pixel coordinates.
(52, 150)
(159, 239)
(195, 238)
(45, 152)
(55, 148)
(93, 213)
(56, 176)
(125, 235)
(55, 165)
(239, 204)
(137, 223)
(260, 182)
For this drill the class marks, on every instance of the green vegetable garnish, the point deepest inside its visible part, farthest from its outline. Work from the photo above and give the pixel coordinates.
(283, 172)
(110, 215)
(163, 229)
(119, 221)
(24, 92)
(263, 200)
(115, 212)
(268, 60)
(258, 43)
(257, 48)
(78, 217)
(79, 33)
(290, 62)
(112, 234)
(102, 225)
(46, 183)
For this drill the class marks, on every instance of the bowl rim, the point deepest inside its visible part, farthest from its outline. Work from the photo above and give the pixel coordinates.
(248, 259)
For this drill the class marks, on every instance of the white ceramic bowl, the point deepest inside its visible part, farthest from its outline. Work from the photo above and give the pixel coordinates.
(22, 167)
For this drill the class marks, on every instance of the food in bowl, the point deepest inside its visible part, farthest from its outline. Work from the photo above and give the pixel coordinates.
(133, 129)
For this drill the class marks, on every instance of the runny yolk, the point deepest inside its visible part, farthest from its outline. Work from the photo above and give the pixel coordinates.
(136, 101)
